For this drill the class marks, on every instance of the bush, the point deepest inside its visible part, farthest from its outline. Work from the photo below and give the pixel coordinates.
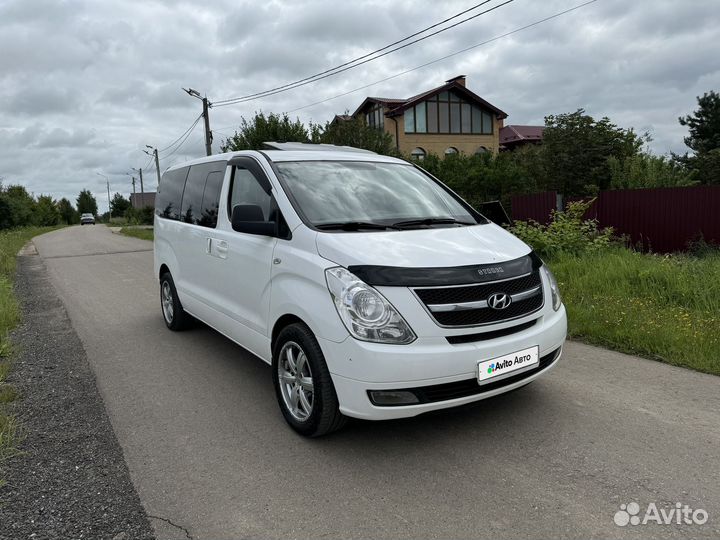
(140, 216)
(567, 233)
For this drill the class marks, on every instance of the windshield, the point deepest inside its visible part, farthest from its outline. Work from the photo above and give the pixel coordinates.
(358, 192)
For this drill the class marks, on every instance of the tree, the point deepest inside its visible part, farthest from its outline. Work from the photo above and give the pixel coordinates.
(5, 219)
(19, 207)
(119, 205)
(704, 124)
(576, 148)
(46, 211)
(704, 139)
(648, 171)
(86, 203)
(261, 128)
(68, 214)
(353, 132)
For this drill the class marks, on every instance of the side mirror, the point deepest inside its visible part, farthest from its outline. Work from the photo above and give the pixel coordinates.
(249, 219)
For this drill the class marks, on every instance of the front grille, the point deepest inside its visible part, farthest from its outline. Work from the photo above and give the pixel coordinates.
(481, 292)
(473, 293)
(492, 334)
(470, 387)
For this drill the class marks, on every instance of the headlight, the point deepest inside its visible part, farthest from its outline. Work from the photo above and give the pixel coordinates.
(364, 311)
(554, 290)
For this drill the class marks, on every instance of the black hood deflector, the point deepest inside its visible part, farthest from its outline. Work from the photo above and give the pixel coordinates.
(397, 276)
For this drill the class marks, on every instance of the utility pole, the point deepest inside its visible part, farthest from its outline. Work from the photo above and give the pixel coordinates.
(208, 133)
(107, 180)
(157, 160)
(133, 199)
(142, 189)
(206, 106)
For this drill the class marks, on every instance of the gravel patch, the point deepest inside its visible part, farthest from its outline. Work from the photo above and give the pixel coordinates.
(71, 480)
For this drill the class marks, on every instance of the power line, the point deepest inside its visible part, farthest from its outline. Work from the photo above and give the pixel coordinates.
(556, 15)
(177, 159)
(186, 135)
(336, 71)
(359, 57)
(181, 136)
(149, 162)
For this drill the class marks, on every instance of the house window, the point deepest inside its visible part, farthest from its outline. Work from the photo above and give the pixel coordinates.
(410, 120)
(454, 118)
(375, 117)
(482, 150)
(432, 116)
(466, 118)
(448, 112)
(418, 153)
(451, 150)
(420, 118)
(487, 126)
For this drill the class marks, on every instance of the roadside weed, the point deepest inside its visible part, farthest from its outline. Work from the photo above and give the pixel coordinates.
(665, 307)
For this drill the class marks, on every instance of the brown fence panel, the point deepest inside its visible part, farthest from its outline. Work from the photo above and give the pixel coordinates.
(662, 219)
(659, 219)
(536, 206)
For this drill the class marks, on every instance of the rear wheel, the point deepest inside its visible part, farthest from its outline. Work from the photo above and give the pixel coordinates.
(303, 385)
(173, 313)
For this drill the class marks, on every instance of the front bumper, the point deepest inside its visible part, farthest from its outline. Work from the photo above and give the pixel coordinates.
(357, 367)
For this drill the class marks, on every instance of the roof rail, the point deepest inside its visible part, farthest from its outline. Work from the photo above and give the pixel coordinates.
(305, 147)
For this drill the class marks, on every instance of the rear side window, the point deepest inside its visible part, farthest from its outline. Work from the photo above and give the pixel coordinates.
(211, 199)
(194, 188)
(170, 192)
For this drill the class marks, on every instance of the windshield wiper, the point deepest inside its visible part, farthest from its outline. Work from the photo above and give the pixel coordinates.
(431, 221)
(354, 226)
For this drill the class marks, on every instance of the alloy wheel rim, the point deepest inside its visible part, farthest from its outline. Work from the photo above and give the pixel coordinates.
(296, 381)
(167, 302)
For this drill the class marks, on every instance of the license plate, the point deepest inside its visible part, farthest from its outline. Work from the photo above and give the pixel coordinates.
(501, 365)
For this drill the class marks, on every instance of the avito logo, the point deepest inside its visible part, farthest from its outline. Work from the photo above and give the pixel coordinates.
(507, 363)
(500, 365)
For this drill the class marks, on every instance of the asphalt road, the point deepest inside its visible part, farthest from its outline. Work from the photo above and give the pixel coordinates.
(208, 449)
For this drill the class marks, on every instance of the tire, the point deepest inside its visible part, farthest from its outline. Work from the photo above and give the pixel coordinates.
(294, 343)
(174, 315)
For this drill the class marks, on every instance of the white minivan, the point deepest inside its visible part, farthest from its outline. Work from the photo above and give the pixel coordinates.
(372, 289)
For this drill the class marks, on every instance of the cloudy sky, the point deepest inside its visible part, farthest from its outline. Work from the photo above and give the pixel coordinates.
(87, 84)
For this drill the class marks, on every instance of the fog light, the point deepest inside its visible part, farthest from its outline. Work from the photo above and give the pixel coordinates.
(392, 397)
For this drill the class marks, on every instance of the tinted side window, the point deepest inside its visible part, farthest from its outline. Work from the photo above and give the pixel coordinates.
(211, 199)
(170, 192)
(245, 189)
(192, 197)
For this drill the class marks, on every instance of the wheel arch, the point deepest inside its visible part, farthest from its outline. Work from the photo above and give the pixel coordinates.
(282, 322)
(163, 269)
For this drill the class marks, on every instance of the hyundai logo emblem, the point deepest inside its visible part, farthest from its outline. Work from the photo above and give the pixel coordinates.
(499, 301)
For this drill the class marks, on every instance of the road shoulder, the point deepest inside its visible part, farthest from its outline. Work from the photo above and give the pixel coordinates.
(71, 480)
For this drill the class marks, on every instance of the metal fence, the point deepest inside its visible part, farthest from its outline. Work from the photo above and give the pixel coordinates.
(659, 219)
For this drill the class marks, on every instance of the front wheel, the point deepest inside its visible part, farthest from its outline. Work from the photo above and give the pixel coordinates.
(303, 385)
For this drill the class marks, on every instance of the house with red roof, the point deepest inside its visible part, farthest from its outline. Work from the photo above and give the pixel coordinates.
(448, 119)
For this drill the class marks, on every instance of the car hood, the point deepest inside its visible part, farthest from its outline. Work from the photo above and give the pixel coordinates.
(422, 248)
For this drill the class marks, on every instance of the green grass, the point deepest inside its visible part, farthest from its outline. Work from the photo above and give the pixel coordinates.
(143, 234)
(10, 243)
(661, 307)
